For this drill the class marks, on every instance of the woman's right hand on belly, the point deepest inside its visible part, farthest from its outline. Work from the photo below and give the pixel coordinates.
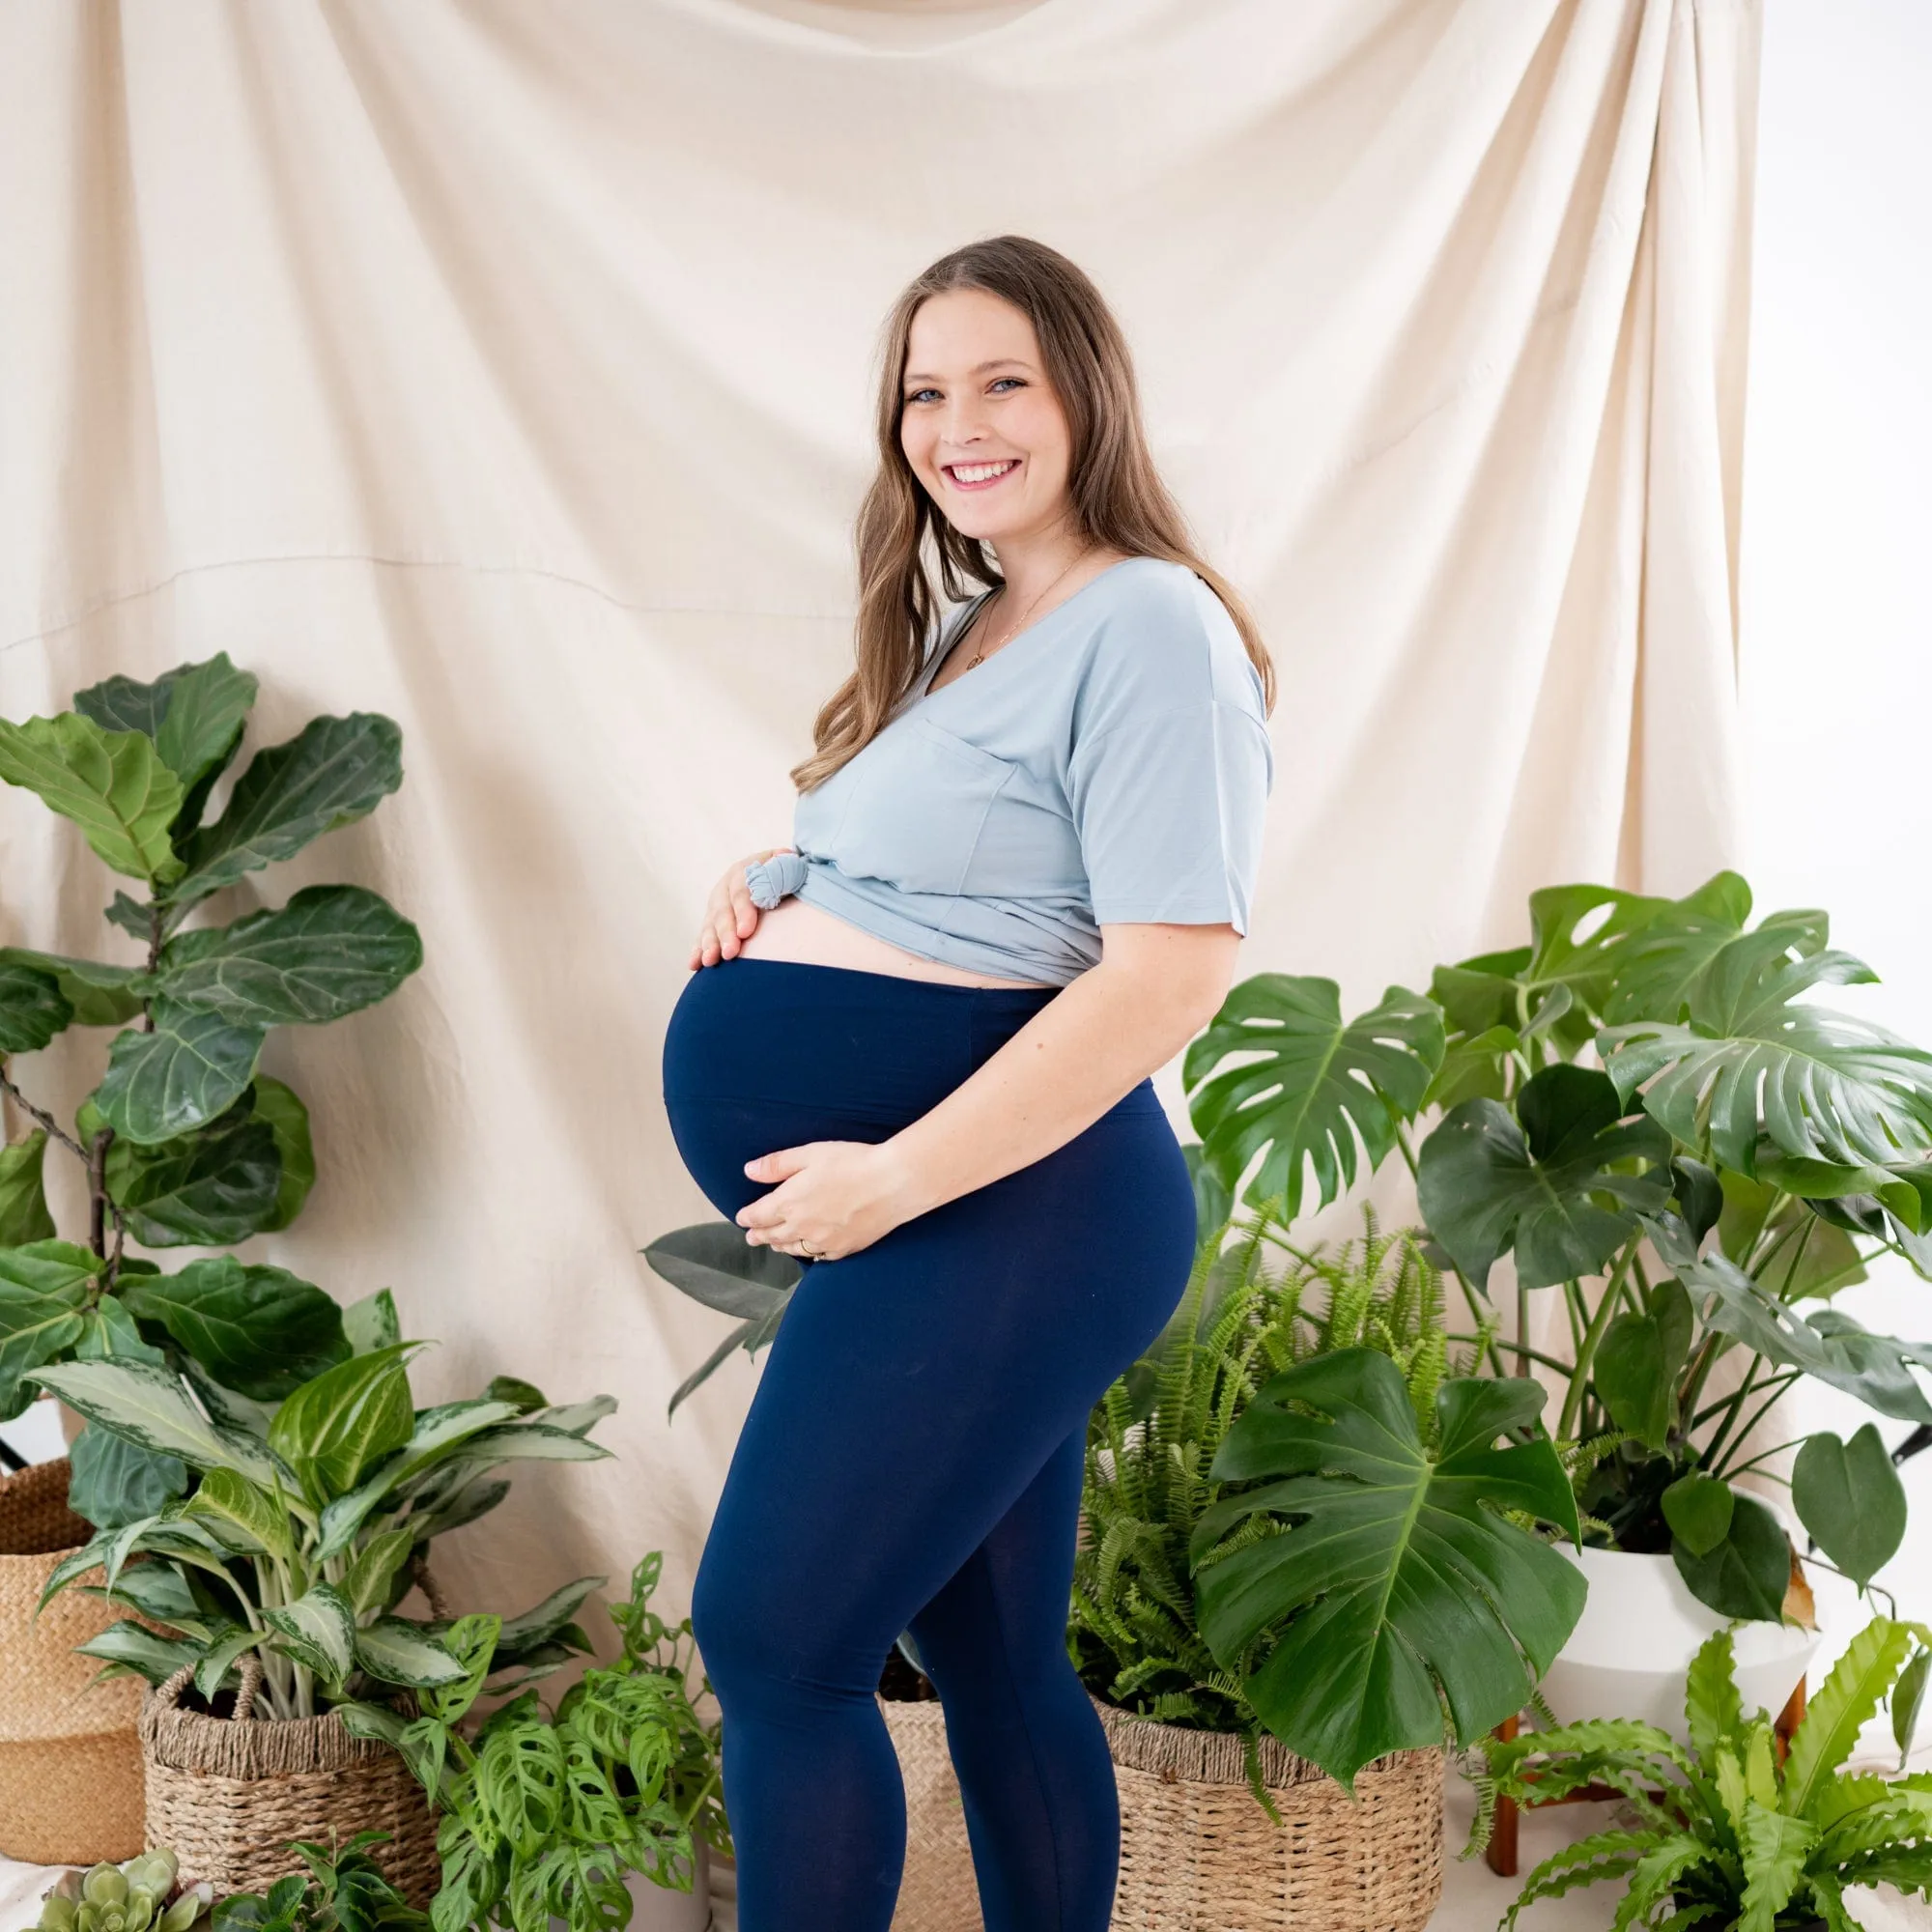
(730, 915)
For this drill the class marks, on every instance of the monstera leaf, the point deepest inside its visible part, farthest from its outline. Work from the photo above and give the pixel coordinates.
(1399, 1591)
(1551, 1181)
(1693, 943)
(332, 949)
(334, 771)
(111, 783)
(1877, 1369)
(1319, 1083)
(1751, 1062)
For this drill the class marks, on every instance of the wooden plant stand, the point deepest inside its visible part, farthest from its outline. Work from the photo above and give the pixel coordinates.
(1502, 1848)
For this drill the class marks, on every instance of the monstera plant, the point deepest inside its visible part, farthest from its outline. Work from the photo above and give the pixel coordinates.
(1642, 1110)
(186, 1143)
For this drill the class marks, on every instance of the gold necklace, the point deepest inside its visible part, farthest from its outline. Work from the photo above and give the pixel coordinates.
(979, 655)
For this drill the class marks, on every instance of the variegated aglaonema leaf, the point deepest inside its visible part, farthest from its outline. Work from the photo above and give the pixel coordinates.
(1560, 1181)
(1308, 1084)
(1399, 1591)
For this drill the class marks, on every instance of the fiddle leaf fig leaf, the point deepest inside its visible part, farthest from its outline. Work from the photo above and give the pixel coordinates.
(44, 1290)
(99, 995)
(1849, 1496)
(332, 949)
(115, 1482)
(202, 1190)
(1318, 1084)
(335, 771)
(191, 1070)
(1551, 1181)
(23, 1201)
(33, 1010)
(281, 1110)
(194, 714)
(111, 783)
(1399, 1592)
(258, 1330)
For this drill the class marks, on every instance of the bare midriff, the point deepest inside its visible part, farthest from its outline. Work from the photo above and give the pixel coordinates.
(811, 935)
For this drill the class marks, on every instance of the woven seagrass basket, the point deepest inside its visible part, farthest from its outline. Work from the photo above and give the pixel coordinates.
(1198, 1853)
(69, 1761)
(937, 1892)
(228, 1794)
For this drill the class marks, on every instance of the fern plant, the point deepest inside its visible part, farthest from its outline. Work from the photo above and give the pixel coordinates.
(1724, 1834)
(1250, 1313)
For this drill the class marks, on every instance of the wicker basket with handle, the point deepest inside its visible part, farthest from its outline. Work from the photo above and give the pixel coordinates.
(69, 1761)
(228, 1794)
(1198, 1853)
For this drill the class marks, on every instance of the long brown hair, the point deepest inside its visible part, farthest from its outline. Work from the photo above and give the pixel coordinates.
(1119, 499)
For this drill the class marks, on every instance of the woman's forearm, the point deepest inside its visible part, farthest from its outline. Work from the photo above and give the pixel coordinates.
(1093, 1043)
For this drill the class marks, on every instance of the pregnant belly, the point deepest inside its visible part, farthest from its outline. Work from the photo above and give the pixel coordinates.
(794, 930)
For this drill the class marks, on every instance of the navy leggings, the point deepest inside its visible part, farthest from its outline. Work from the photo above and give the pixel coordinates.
(912, 1459)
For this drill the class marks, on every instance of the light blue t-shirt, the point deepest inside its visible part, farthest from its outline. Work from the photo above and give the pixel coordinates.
(1110, 764)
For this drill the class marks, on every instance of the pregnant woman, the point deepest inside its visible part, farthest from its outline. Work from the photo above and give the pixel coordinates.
(915, 1052)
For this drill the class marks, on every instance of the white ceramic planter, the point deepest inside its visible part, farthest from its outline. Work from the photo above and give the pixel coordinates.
(656, 1909)
(1640, 1630)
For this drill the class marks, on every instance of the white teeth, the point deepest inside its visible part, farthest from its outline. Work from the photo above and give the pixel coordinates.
(978, 473)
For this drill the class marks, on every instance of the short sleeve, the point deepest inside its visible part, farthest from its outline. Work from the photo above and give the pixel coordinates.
(1170, 782)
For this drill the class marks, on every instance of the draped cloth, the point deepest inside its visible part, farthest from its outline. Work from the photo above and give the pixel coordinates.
(507, 369)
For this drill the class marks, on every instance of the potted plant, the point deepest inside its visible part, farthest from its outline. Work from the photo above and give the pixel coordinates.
(556, 1815)
(185, 1143)
(1694, 1200)
(268, 1593)
(1730, 1833)
(337, 1891)
(1248, 1718)
(140, 1894)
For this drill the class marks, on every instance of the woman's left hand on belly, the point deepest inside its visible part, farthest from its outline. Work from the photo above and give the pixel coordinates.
(833, 1197)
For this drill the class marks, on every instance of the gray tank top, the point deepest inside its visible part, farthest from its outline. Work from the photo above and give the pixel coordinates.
(1111, 764)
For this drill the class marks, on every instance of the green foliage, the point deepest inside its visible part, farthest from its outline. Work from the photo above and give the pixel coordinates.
(1148, 1636)
(140, 1894)
(1401, 1590)
(542, 1813)
(292, 1527)
(1755, 1145)
(344, 1891)
(1725, 1836)
(186, 1143)
(713, 1262)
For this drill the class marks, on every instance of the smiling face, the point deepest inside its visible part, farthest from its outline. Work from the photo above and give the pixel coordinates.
(978, 423)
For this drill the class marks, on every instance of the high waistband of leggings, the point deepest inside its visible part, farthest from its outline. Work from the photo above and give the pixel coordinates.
(782, 1031)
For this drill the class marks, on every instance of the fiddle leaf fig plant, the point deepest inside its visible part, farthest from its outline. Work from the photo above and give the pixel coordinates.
(306, 1519)
(186, 1143)
(1641, 1110)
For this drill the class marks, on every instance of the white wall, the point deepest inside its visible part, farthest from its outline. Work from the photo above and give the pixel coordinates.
(1837, 525)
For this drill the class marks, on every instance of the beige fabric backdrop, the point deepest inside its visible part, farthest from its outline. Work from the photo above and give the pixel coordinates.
(506, 367)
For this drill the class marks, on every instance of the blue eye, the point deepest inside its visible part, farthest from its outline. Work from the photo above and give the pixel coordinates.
(918, 393)
(1010, 378)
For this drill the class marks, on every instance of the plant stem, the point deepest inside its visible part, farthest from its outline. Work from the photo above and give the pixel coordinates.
(96, 1193)
(1562, 1368)
(42, 1119)
(1600, 1322)
(1765, 1456)
(1743, 1434)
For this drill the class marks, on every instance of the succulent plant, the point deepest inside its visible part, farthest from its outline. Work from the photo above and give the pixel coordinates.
(132, 1896)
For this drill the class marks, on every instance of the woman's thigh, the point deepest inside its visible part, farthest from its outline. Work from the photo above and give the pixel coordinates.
(917, 1386)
